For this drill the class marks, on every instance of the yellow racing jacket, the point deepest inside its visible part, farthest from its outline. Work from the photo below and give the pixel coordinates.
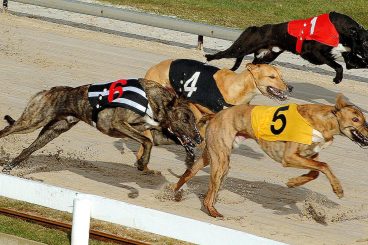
(281, 123)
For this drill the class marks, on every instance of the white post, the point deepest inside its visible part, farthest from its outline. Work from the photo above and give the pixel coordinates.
(81, 221)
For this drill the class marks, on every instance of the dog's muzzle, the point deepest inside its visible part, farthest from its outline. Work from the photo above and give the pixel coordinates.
(290, 88)
(359, 138)
(277, 93)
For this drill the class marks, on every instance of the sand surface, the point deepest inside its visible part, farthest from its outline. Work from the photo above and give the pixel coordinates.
(36, 55)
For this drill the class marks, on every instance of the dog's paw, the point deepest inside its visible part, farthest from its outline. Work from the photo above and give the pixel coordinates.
(292, 183)
(6, 170)
(338, 190)
(337, 80)
(151, 172)
(139, 164)
(214, 213)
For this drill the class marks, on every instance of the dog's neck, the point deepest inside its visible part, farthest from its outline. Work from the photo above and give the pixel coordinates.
(158, 98)
(237, 88)
(321, 119)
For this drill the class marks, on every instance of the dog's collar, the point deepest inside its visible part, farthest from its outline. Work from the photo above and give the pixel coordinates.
(254, 78)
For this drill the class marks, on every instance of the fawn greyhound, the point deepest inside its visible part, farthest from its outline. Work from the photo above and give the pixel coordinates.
(292, 135)
(210, 89)
(124, 108)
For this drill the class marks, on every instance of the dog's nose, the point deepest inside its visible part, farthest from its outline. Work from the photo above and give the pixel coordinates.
(290, 88)
(198, 139)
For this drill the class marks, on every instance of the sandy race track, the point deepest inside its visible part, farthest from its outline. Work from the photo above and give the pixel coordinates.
(36, 55)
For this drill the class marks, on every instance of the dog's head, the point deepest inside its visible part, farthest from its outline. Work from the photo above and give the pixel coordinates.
(360, 42)
(181, 122)
(269, 81)
(351, 120)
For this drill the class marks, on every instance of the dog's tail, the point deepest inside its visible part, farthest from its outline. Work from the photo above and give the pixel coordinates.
(9, 119)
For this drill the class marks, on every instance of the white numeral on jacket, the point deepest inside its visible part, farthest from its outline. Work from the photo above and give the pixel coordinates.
(313, 23)
(190, 84)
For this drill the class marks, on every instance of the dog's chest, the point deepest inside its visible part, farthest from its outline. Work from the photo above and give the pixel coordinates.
(127, 94)
(319, 143)
(195, 81)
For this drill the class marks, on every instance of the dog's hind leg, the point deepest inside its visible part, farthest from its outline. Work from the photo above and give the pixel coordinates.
(22, 127)
(303, 179)
(247, 43)
(237, 64)
(48, 133)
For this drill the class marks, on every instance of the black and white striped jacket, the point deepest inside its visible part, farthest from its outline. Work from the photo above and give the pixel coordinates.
(127, 93)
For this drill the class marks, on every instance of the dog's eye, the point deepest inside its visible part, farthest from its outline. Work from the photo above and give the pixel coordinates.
(272, 77)
(355, 119)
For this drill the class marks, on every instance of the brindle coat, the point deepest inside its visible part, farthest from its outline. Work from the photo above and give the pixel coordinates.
(57, 110)
(341, 119)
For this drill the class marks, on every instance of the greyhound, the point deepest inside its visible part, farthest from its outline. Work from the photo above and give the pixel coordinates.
(292, 135)
(60, 108)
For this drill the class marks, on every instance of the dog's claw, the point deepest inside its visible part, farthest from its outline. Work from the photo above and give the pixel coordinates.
(337, 189)
(151, 172)
(337, 80)
(6, 170)
(140, 165)
(214, 213)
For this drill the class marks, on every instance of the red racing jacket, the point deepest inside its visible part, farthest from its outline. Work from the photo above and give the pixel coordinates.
(317, 28)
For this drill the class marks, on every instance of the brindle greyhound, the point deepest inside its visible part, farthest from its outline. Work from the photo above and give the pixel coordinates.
(57, 110)
(234, 89)
(341, 119)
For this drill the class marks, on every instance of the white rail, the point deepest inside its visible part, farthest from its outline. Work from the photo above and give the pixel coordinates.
(138, 17)
(125, 214)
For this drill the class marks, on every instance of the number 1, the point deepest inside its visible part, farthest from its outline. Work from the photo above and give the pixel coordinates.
(313, 23)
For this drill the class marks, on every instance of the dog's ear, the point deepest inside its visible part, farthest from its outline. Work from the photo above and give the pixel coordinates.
(251, 67)
(341, 102)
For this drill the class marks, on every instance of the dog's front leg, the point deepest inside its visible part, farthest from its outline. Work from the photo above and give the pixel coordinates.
(293, 159)
(333, 64)
(126, 130)
(353, 61)
(140, 152)
(305, 178)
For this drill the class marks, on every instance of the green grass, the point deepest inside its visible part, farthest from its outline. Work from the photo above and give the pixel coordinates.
(243, 13)
(36, 232)
(39, 233)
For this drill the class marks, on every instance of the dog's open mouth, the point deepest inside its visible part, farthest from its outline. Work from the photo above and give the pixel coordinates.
(359, 138)
(187, 142)
(276, 93)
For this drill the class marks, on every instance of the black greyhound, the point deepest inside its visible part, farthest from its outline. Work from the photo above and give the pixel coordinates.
(269, 41)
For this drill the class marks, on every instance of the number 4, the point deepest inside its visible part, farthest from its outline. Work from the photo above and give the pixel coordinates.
(192, 81)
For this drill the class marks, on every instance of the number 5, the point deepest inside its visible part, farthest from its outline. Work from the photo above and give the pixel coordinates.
(281, 117)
